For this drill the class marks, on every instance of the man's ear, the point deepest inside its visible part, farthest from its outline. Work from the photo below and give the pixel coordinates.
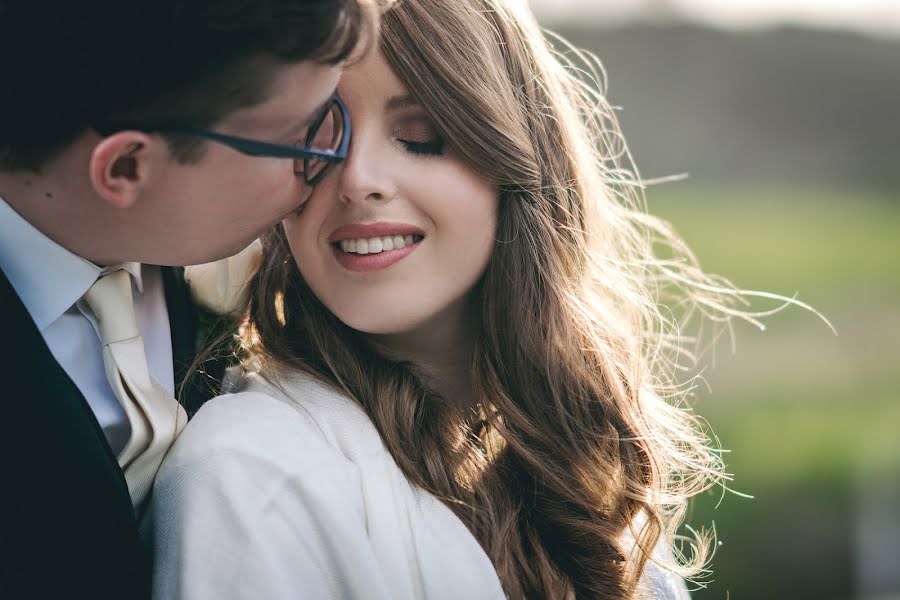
(123, 164)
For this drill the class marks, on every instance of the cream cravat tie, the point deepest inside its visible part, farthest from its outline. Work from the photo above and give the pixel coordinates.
(155, 417)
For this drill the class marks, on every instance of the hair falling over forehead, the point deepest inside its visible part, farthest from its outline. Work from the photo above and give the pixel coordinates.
(578, 457)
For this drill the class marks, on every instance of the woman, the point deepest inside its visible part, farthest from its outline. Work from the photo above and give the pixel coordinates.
(459, 377)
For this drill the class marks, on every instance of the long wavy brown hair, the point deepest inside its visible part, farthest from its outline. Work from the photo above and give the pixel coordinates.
(578, 457)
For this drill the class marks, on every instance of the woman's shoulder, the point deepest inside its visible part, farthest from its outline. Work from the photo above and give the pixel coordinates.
(660, 583)
(285, 431)
(659, 580)
(253, 483)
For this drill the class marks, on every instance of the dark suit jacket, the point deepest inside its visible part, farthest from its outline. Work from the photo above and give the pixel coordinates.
(68, 528)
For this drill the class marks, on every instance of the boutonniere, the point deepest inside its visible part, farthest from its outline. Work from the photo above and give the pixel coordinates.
(222, 286)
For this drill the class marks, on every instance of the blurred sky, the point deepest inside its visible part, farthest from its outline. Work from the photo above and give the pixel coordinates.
(878, 17)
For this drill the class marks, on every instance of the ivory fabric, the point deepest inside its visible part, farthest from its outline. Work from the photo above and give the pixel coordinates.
(222, 286)
(155, 416)
(285, 491)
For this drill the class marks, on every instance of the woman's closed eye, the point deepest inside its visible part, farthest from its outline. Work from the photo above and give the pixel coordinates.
(432, 148)
(419, 137)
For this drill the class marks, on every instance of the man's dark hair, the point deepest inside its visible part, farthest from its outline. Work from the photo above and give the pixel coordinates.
(68, 65)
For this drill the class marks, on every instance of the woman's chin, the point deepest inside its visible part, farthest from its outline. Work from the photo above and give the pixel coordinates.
(380, 322)
(380, 327)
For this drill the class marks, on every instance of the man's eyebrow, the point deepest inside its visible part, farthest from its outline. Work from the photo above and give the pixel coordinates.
(399, 102)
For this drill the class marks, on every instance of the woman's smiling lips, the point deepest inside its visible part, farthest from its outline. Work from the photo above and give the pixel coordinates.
(374, 246)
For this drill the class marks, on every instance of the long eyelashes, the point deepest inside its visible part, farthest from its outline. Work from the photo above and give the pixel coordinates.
(430, 148)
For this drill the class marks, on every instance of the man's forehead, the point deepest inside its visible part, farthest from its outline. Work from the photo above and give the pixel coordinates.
(308, 80)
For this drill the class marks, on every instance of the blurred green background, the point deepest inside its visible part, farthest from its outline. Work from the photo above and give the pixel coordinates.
(811, 419)
(791, 138)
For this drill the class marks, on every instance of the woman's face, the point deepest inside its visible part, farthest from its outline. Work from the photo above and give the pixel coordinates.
(395, 237)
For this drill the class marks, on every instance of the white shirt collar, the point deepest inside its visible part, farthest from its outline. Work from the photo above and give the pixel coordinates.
(48, 278)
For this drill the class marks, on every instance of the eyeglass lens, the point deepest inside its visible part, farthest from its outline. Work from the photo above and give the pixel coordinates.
(325, 135)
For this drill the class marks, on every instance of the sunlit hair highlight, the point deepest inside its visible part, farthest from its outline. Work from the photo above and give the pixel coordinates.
(579, 456)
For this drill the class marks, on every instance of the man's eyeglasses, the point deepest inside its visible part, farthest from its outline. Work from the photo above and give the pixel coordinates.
(327, 141)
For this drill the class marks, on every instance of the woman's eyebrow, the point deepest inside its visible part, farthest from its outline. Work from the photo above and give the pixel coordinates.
(400, 102)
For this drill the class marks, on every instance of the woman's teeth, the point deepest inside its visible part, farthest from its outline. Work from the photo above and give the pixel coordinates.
(378, 244)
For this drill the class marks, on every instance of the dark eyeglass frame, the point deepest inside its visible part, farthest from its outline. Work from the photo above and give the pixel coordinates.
(252, 147)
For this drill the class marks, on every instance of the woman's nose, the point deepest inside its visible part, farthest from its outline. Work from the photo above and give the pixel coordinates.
(366, 175)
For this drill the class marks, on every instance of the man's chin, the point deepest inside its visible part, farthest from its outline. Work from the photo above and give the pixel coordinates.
(210, 255)
(234, 250)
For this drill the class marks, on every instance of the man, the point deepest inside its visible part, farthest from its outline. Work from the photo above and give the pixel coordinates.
(151, 132)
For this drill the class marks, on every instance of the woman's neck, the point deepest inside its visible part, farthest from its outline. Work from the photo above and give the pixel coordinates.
(442, 347)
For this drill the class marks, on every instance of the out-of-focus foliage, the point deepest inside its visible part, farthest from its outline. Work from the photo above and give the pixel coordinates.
(811, 419)
(785, 106)
(792, 142)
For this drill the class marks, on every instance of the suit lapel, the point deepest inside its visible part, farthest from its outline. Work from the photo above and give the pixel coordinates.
(182, 321)
(65, 500)
(192, 329)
